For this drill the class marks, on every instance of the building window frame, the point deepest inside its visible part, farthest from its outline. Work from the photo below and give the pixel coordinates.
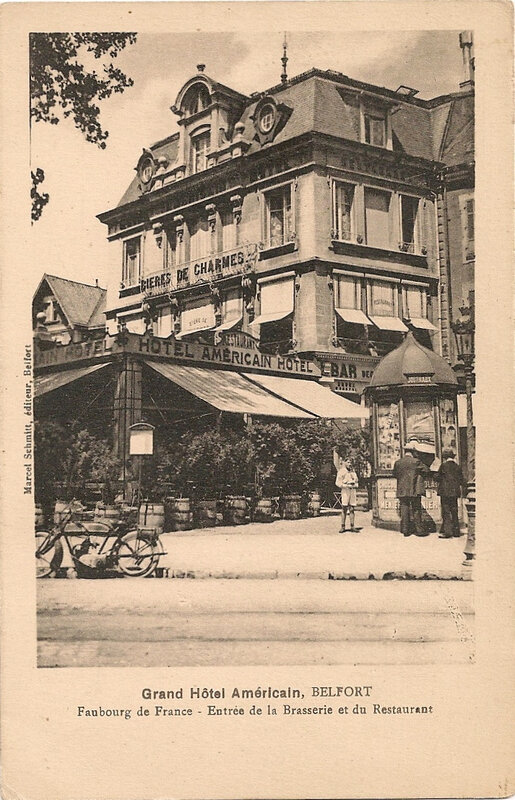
(338, 188)
(370, 115)
(405, 244)
(387, 244)
(200, 148)
(132, 262)
(287, 213)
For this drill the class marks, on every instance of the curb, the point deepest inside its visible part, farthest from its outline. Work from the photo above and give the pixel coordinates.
(179, 574)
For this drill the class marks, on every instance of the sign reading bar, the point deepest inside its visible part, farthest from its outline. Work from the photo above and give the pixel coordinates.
(209, 268)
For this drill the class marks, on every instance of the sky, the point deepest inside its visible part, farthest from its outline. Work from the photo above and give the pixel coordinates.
(83, 180)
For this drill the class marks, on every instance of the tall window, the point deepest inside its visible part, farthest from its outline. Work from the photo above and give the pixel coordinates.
(377, 217)
(409, 211)
(467, 215)
(278, 216)
(170, 249)
(199, 151)
(415, 302)
(199, 239)
(342, 211)
(347, 292)
(131, 261)
(232, 309)
(228, 229)
(375, 129)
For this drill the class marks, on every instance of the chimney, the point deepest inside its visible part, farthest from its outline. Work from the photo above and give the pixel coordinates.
(467, 48)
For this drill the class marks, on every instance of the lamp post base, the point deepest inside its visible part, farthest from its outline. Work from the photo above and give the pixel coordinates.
(470, 545)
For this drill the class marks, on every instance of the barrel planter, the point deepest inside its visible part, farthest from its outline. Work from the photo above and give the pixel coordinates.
(291, 506)
(236, 510)
(106, 513)
(204, 514)
(314, 504)
(152, 515)
(39, 517)
(263, 512)
(181, 517)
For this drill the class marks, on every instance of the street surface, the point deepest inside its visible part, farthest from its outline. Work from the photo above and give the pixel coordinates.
(159, 622)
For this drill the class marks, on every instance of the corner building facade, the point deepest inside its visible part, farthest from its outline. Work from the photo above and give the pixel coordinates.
(301, 221)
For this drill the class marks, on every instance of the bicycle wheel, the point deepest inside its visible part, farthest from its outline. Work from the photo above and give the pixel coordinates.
(49, 555)
(138, 554)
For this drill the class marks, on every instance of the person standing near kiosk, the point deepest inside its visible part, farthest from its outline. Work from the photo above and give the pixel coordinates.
(410, 473)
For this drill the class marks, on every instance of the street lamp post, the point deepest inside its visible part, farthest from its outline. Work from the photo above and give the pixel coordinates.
(464, 330)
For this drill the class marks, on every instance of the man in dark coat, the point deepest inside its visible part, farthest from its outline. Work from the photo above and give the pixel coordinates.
(450, 486)
(410, 473)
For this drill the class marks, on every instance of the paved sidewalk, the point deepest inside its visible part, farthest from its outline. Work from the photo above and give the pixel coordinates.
(311, 548)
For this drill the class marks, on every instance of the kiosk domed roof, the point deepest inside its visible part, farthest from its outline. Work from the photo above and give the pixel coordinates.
(412, 363)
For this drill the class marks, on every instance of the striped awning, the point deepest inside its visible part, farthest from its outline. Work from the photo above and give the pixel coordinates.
(228, 391)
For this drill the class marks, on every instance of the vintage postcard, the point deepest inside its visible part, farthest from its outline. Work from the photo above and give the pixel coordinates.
(257, 446)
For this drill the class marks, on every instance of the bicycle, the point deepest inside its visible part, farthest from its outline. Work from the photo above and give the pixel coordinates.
(102, 545)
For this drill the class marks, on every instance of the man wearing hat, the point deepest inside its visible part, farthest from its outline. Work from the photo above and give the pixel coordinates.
(410, 473)
(450, 486)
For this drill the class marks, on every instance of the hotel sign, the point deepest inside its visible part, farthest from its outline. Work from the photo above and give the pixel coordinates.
(204, 270)
(235, 352)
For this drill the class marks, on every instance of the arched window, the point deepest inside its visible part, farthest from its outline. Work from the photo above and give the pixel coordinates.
(196, 99)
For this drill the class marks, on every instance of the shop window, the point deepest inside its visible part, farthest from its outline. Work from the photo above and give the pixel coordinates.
(131, 261)
(343, 199)
(200, 239)
(231, 310)
(388, 436)
(275, 319)
(377, 217)
(468, 225)
(409, 216)
(278, 216)
(199, 152)
(375, 129)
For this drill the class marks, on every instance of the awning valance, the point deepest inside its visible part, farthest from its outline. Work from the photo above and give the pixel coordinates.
(354, 315)
(311, 396)
(48, 383)
(422, 323)
(389, 323)
(228, 391)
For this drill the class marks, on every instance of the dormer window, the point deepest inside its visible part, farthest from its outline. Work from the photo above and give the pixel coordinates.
(200, 145)
(375, 130)
(196, 100)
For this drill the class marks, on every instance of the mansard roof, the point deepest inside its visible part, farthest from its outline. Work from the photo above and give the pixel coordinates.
(440, 129)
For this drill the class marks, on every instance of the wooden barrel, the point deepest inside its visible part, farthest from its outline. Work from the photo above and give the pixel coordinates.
(237, 510)
(106, 513)
(39, 517)
(263, 512)
(181, 516)
(60, 509)
(204, 514)
(314, 504)
(291, 506)
(152, 515)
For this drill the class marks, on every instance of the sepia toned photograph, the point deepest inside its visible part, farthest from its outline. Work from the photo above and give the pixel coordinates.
(253, 355)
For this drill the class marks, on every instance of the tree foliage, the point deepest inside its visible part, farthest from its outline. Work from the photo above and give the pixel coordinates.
(61, 85)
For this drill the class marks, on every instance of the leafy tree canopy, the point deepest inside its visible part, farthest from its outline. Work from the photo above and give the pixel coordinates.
(61, 85)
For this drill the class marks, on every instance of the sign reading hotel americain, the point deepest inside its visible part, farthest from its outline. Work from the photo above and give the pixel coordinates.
(227, 354)
(231, 262)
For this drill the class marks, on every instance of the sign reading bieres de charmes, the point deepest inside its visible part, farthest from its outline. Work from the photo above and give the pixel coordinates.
(231, 262)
